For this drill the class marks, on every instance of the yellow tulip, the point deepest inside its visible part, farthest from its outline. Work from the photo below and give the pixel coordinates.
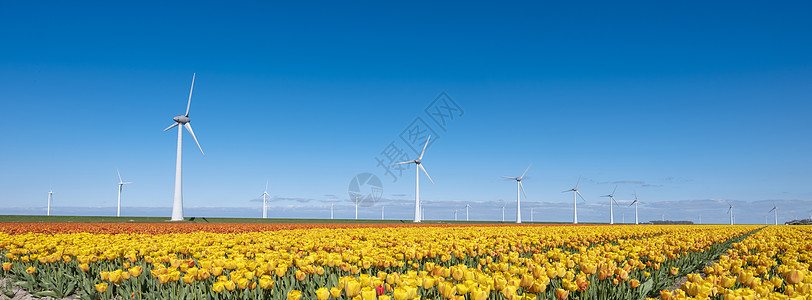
(335, 292)
(242, 283)
(136, 271)
(399, 294)
(561, 294)
(7, 266)
(795, 276)
(31, 270)
(294, 295)
(368, 293)
(322, 293)
(218, 287)
(266, 282)
(101, 287)
(352, 288)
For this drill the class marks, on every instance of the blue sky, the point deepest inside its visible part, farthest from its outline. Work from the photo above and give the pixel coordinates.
(689, 104)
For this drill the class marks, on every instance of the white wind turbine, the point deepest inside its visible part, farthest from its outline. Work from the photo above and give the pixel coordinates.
(519, 192)
(265, 198)
(331, 210)
(635, 202)
(382, 209)
(575, 193)
(730, 211)
(467, 206)
(183, 120)
(418, 167)
(775, 210)
(611, 210)
(455, 215)
(50, 198)
(355, 195)
(121, 184)
(531, 215)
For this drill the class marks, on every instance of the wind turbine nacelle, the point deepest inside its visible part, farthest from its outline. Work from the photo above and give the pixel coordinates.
(181, 119)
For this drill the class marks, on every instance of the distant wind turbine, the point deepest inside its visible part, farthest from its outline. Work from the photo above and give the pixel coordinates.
(575, 193)
(531, 215)
(382, 208)
(730, 211)
(332, 205)
(50, 198)
(265, 198)
(611, 210)
(775, 211)
(467, 206)
(356, 205)
(455, 215)
(121, 184)
(635, 202)
(418, 167)
(184, 121)
(519, 188)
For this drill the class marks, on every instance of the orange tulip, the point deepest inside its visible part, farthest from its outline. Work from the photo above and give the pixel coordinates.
(31, 270)
(561, 294)
(7, 266)
(101, 287)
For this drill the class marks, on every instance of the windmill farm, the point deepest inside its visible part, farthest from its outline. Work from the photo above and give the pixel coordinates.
(183, 122)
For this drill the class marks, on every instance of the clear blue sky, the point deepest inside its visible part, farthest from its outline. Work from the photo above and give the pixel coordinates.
(689, 104)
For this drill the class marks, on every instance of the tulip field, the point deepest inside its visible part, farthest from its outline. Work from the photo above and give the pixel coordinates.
(406, 261)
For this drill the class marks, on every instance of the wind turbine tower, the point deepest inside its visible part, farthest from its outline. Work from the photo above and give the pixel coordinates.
(50, 198)
(519, 192)
(611, 210)
(575, 195)
(418, 168)
(121, 184)
(183, 121)
(265, 198)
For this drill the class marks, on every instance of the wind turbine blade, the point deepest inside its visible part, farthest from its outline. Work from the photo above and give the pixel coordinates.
(427, 173)
(633, 202)
(579, 195)
(173, 126)
(405, 162)
(615, 201)
(127, 182)
(424, 148)
(523, 192)
(570, 190)
(514, 178)
(525, 170)
(189, 128)
(190, 94)
(119, 176)
(613, 191)
(579, 182)
(771, 210)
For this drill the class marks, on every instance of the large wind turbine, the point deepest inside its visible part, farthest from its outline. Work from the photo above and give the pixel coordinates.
(611, 210)
(635, 202)
(575, 193)
(265, 198)
(183, 120)
(50, 197)
(775, 210)
(730, 211)
(121, 184)
(519, 188)
(467, 206)
(418, 167)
